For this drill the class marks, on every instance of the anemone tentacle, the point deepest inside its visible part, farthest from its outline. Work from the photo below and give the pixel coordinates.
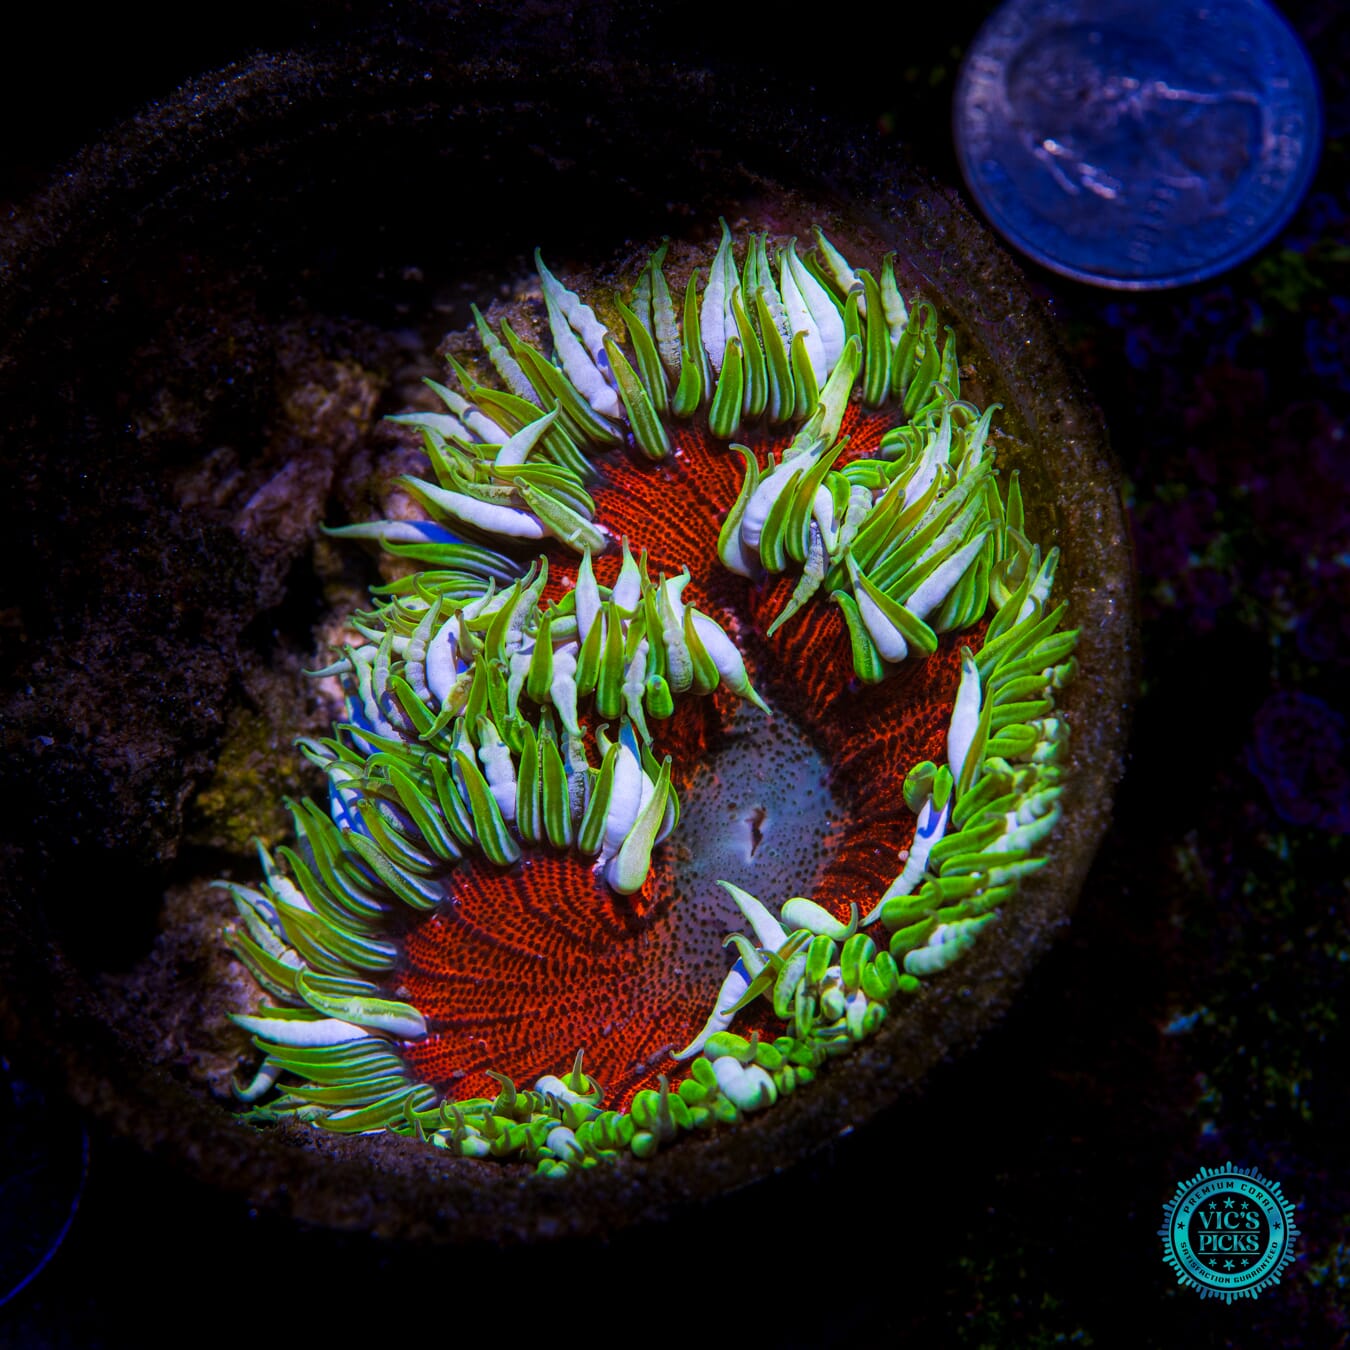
(479, 703)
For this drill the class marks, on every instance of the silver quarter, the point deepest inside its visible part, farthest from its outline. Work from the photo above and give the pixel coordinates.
(1137, 143)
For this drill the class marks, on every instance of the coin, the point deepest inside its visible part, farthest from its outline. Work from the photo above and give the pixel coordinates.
(1137, 143)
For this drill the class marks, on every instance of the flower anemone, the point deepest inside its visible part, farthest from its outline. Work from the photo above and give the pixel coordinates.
(555, 786)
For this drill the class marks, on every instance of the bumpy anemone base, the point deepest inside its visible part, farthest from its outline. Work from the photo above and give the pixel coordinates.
(555, 793)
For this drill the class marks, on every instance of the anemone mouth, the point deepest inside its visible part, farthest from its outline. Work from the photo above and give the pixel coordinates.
(805, 801)
(526, 966)
(132, 1062)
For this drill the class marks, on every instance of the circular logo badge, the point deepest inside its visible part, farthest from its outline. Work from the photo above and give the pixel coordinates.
(1228, 1232)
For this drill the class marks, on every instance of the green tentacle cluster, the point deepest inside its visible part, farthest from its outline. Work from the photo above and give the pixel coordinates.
(473, 708)
(560, 1124)
(981, 816)
(760, 346)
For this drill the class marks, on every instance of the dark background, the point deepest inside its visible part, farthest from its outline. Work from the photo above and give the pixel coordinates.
(1193, 1015)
